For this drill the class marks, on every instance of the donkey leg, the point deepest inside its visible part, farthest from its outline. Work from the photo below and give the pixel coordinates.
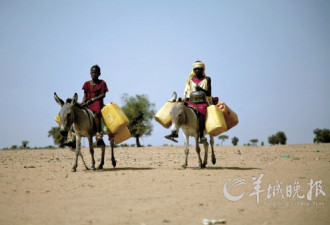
(100, 167)
(198, 150)
(186, 151)
(82, 158)
(113, 160)
(91, 150)
(206, 149)
(77, 152)
(214, 160)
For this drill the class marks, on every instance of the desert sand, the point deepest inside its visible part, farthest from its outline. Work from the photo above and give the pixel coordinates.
(149, 187)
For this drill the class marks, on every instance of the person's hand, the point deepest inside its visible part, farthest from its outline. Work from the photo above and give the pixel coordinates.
(198, 88)
(84, 104)
(90, 101)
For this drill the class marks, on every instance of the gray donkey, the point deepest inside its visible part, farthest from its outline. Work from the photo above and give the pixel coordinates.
(82, 119)
(184, 117)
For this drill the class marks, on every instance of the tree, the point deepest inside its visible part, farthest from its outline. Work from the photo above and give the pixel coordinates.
(322, 136)
(281, 137)
(273, 140)
(278, 138)
(254, 141)
(58, 138)
(223, 138)
(234, 141)
(25, 144)
(140, 113)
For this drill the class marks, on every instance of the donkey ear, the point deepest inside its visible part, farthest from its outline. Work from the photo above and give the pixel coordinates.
(74, 99)
(58, 100)
(174, 96)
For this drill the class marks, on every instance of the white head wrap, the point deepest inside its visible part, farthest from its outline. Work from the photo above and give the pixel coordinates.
(197, 64)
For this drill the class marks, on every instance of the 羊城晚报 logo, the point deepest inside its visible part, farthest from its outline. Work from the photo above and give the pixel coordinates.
(288, 191)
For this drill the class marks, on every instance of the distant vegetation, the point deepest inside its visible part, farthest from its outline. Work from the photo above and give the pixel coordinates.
(234, 141)
(16, 147)
(223, 138)
(140, 113)
(254, 141)
(25, 144)
(278, 138)
(59, 140)
(322, 136)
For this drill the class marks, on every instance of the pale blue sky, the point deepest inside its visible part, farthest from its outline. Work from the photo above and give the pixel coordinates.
(268, 60)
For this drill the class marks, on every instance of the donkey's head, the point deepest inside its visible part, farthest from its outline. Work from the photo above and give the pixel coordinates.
(66, 113)
(177, 113)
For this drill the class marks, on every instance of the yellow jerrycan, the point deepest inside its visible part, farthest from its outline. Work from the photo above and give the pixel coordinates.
(215, 123)
(58, 119)
(114, 117)
(122, 135)
(163, 116)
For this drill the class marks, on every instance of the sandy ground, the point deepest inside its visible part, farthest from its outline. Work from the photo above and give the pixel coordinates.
(149, 187)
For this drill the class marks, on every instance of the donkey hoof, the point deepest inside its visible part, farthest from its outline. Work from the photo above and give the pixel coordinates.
(114, 163)
(184, 166)
(93, 168)
(214, 160)
(203, 165)
(100, 167)
(73, 170)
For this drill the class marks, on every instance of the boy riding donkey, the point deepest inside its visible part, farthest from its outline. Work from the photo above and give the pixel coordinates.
(94, 93)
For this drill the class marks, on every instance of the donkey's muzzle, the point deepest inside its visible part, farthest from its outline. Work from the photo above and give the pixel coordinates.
(64, 133)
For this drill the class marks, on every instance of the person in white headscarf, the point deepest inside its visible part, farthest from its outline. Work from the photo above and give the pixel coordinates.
(198, 81)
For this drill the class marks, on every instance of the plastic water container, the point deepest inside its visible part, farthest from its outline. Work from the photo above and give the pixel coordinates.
(58, 119)
(215, 123)
(230, 116)
(114, 117)
(122, 135)
(163, 116)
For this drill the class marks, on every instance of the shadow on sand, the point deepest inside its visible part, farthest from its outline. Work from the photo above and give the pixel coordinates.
(231, 168)
(123, 169)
